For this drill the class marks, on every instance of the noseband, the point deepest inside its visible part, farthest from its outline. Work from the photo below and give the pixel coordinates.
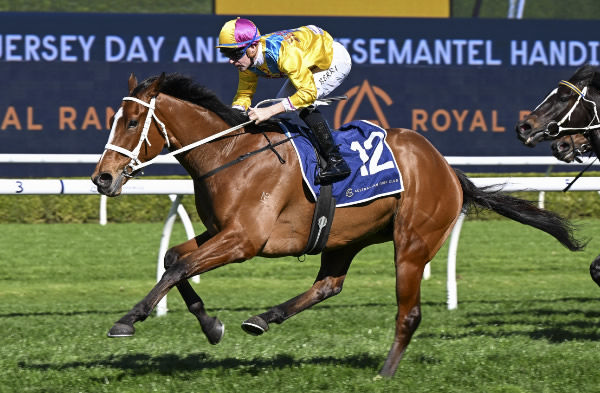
(554, 129)
(135, 163)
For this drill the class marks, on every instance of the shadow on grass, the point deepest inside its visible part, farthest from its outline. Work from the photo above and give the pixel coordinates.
(566, 319)
(141, 364)
(59, 313)
(214, 310)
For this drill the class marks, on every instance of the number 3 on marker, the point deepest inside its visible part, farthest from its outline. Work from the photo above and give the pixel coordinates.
(19, 186)
(374, 165)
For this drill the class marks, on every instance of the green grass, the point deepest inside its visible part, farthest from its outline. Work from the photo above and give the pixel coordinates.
(527, 319)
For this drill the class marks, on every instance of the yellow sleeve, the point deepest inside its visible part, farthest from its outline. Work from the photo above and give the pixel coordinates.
(291, 63)
(246, 89)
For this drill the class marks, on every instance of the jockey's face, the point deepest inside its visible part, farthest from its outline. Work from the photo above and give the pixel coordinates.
(244, 62)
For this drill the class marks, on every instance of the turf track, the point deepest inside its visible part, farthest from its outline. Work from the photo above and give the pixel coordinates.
(528, 318)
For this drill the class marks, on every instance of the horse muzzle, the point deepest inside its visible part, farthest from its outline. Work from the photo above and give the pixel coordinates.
(529, 135)
(107, 184)
(563, 151)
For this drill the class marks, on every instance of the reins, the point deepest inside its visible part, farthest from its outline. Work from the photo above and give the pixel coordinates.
(568, 187)
(135, 164)
(269, 146)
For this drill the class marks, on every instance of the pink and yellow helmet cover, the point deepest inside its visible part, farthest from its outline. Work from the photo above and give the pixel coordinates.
(238, 33)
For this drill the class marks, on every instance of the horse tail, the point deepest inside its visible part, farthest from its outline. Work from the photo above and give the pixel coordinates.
(519, 210)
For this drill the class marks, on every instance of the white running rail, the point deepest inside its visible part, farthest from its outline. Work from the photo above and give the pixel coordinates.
(177, 188)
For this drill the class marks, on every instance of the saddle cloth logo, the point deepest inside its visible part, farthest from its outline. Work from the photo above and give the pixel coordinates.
(375, 172)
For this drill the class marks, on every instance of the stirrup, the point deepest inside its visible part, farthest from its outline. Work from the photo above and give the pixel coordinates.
(332, 177)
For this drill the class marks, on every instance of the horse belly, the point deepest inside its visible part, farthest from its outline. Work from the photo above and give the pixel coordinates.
(369, 223)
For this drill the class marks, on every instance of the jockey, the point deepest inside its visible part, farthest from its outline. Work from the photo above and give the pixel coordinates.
(313, 63)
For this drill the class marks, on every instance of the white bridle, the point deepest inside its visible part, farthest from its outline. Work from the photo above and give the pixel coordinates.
(135, 164)
(567, 117)
(134, 154)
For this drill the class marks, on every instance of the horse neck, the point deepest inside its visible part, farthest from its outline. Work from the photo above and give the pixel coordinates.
(594, 135)
(187, 123)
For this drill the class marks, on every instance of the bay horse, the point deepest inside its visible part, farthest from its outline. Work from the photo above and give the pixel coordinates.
(260, 206)
(569, 109)
(570, 148)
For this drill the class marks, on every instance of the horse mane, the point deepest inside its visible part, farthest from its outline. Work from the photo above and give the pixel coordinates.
(587, 74)
(185, 88)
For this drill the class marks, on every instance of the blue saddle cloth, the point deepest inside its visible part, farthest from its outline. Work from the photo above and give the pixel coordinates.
(375, 172)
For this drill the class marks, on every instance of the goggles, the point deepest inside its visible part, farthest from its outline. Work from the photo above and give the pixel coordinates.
(233, 54)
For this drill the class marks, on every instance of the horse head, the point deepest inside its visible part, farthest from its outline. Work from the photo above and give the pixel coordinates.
(135, 137)
(570, 148)
(568, 109)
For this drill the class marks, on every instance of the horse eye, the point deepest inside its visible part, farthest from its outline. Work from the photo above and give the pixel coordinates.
(564, 98)
(132, 124)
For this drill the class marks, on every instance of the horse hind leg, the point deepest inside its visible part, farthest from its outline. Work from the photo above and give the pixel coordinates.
(411, 255)
(329, 282)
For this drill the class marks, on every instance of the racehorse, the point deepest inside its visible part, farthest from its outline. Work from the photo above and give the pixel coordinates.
(260, 206)
(570, 108)
(570, 148)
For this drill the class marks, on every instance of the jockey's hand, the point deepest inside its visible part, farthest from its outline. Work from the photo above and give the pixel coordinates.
(262, 114)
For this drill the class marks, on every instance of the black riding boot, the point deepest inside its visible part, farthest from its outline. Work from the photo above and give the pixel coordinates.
(336, 168)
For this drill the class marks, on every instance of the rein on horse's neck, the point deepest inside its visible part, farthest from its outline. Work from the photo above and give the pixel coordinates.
(135, 165)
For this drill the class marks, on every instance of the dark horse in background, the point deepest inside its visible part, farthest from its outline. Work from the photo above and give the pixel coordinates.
(242, 223)
(571, 148)
(570, 109)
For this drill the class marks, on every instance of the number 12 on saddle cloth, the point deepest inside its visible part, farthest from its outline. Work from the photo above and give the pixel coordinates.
(375, 172)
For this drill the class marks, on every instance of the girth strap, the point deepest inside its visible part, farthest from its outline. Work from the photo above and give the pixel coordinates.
(269, 146)
(322, 217)
(322, 220)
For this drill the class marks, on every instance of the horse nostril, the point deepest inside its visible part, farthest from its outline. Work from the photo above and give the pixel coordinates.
(563, 146)
(104, 180)
(524, 127)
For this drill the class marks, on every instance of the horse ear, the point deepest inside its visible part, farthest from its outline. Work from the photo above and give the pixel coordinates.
(155, 87)
(132, 82)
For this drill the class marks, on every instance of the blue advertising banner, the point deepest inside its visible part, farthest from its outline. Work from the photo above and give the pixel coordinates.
(462, 83)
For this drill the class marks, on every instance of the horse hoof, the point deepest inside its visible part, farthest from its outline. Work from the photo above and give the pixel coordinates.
(255, 326)
(215, 332)
(595, 270)
(121, 330)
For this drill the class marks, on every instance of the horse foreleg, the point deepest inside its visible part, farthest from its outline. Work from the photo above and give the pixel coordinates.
(124, 326)
(212, 327)
(225, 247)
(329, 282)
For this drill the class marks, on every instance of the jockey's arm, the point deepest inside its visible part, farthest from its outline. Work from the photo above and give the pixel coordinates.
(246, 88)
(262, 114)
(292, 64)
